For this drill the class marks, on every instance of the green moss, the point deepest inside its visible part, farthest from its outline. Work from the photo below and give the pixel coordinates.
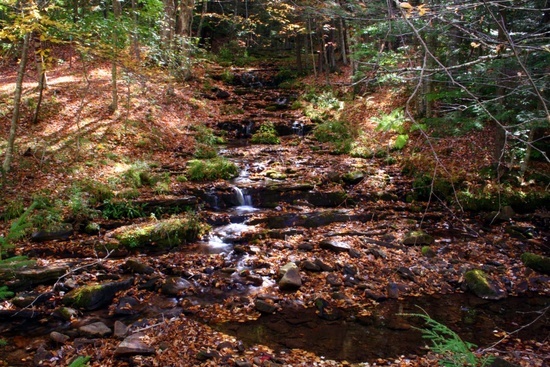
(478, 283)
(275, 175)
(536, 262)
(211, 169)
(266, 135)
(428, 251)
(165, 233)
(83, 296)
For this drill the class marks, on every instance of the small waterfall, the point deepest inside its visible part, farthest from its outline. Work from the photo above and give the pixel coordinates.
(242, 198)
(298, 128)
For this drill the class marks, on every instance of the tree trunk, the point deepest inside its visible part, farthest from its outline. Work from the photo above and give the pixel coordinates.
(168, 25)
(312, 48)
(117, 11)
(501, 133)
(298, 48)
(135, 34)
(343, 41)
(41, 71)
(17, 103)
(185, 19)
(200, 29)
(39, 59)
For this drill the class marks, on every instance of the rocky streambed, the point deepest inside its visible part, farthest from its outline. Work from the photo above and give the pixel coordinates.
(312, 258)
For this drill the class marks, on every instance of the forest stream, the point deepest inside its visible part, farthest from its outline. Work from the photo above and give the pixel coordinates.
(357, 258)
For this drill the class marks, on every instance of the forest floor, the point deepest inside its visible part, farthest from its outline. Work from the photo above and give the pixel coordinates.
(78, 138)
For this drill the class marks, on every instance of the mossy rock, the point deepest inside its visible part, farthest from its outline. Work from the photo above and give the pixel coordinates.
(478, 282)
(353, 177)
(275, 175)
(536, 262)
(164, 233)
(428, 251)
(96, 296)
(418, 238)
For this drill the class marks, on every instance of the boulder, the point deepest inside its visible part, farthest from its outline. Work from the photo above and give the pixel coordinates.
(477, 281)
(291, 280)
(62, 233)
(283, 269)
(25, 278)
(93, 297)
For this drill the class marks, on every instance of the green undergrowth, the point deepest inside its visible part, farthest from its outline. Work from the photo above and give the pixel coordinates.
(338, 134)
(266, 134)
(453, 351)
(206, 142)
(211, 169)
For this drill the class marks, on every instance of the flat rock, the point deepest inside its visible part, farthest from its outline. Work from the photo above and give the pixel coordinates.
(133, 345)
(335, 246)
(93, 297)
(95, 330)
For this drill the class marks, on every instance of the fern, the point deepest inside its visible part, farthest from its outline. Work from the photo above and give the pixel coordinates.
(5, 293)
(17, 230)
(455, 352)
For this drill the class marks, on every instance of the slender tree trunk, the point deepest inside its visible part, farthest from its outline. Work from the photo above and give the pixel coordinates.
(135, 34)
(298, 48)
(17, 103)
(201, 22)
(117, 11)
(39, 59)
(311, 46)
(343, 43)
(501, 134)
(41, 71)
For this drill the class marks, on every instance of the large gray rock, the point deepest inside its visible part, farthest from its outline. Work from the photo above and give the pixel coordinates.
(291, 280)
(285, 268)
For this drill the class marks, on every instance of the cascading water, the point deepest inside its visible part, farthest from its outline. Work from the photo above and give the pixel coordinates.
(243, 199)
(221, 239)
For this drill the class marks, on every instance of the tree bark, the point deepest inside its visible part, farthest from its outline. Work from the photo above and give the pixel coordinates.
(135, 33)
(117, 11)
(17, 103)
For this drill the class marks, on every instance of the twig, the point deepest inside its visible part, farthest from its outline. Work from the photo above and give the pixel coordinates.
(542, 313)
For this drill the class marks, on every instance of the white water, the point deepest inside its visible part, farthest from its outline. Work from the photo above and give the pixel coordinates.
(244, 200)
